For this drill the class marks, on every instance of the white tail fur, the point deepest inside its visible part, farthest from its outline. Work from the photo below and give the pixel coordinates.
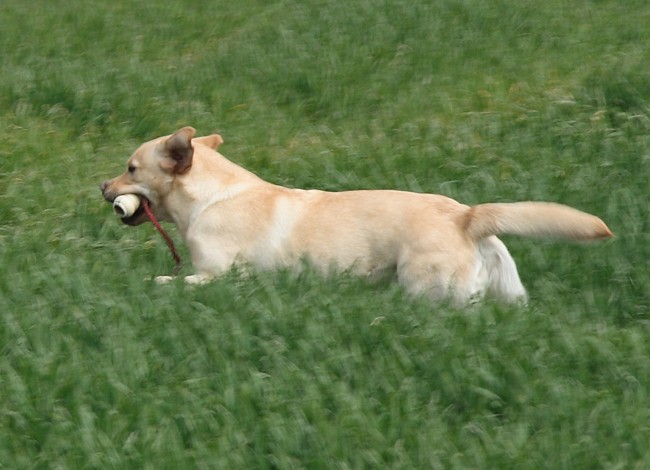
(533, 219)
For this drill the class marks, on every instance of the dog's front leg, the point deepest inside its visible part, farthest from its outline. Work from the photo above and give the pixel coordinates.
(207, 261)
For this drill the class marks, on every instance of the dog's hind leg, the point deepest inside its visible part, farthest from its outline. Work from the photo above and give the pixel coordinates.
(457, 276)
(422, 274)
(503, 281)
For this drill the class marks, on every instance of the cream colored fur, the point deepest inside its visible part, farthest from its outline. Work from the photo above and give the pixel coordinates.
(436, 246)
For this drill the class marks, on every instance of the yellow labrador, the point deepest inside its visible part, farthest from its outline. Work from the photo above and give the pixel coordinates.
(435, 245)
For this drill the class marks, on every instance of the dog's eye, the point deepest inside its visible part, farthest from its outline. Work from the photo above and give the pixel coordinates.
(131, 169)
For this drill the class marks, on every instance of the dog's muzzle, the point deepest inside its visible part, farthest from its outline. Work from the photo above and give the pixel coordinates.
(137, 217)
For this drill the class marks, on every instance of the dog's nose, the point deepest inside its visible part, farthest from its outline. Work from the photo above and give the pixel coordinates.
(103, 186)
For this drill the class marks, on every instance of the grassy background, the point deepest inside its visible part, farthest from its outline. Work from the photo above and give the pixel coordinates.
(481, 101)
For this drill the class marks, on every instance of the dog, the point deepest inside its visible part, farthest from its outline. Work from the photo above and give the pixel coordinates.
(434, 245)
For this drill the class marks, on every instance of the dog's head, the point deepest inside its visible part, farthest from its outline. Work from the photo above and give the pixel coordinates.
(152, 169)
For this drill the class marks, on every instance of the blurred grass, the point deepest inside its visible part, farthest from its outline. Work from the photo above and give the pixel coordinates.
(480, 101)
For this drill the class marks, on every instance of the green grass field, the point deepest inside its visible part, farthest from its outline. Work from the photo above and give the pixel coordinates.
(481, 101)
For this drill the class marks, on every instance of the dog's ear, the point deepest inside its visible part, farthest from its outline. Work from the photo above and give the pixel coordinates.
(213, 141)
(179, 151)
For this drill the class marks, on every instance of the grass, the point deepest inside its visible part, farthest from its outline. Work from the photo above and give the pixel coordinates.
(482, 101)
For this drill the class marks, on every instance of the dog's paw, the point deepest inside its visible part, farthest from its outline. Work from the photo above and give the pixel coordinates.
(163, 279)
(197, 279)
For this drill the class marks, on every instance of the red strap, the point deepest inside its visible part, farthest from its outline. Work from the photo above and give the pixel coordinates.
(168, 239)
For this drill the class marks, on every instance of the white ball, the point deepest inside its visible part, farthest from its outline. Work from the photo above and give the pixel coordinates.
(126, 204)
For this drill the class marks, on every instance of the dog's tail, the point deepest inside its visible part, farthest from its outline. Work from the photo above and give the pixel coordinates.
(533, 219)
